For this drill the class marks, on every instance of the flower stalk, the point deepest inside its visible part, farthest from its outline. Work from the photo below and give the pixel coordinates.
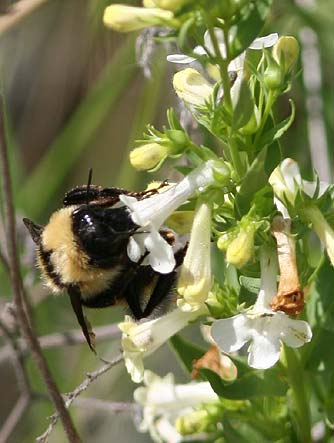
(295, 374)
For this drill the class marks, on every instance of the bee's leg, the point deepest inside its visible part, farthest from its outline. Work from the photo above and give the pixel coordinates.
(163, 287)
(164, 284)
(75, 297)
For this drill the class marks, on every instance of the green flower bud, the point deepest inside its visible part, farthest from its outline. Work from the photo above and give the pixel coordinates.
(253, 123)
(227, 8)
(179, 139)
(171, 5)
(148, 156)
(124, 18)
(273, 76)
(241, 249)
(286, 52)
(192, 423)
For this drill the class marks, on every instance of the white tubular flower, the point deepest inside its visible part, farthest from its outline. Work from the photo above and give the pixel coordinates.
(123, 18)
(195, 278)
(150, 213)
(192, 87)
(141, 339)
(262, 326)
(235, 65)
(163, 402)
(322, 228)
(286, 181)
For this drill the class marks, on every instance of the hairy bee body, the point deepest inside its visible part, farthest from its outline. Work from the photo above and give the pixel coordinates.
(83, 250)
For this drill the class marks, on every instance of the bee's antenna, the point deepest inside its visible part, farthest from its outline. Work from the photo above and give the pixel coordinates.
(90, 176)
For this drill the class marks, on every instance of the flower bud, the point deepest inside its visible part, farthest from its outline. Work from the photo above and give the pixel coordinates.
(179, 139)
(253, 123)
(192, 423)
(124, 18)
(241, 249)
(148, 156)
(192, 87)
(285, 52)
(273, 76)
(223, 241)
(170, 5)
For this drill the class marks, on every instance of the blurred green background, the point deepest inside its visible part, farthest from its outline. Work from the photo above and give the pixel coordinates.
(76, 99)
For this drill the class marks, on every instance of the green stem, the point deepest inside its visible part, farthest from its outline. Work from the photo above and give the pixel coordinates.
(267, 110)
(295, 375)
(235, 156)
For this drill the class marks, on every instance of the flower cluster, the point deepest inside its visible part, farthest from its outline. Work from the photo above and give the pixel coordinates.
(243, 215)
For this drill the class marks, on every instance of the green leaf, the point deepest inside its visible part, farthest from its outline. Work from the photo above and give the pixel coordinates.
(320, 315)
(278, 130)
(249, 26)
(250, 283)
(244, 106)
(254, 180)
(252, 383)
(186, 351)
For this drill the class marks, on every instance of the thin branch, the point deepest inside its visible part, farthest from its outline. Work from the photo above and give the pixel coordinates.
(108, 406)
(69, 338)
(92, 376)
(17, 12)
(14, 417)
(17, 360)
(16, 283)
(4, 262)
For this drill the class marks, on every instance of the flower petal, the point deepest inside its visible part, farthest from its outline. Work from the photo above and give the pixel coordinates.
(180, 58)
(264, 42)
(231, 334)
(264, 351)
(161, 257)
(296, 332)
(135, 248)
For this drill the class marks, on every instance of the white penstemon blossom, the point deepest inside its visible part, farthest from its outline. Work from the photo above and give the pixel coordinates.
(262, 326)
(195, 278)
(236, 65)
(142, 339)
(286, 181)
(151, 213)
(163, 402)
(208, 48)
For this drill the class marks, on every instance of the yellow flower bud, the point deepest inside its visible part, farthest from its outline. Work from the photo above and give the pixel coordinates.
(148, 156)
(171, 5)
(192, 87)
(241, 249)
(285, 52)
(124, 18)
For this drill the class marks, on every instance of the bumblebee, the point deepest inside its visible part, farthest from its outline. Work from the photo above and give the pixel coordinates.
(83, 250)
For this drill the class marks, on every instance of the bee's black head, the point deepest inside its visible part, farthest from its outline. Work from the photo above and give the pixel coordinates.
(102, 232)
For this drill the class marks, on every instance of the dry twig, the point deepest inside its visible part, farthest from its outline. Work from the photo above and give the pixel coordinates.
(69, 338)
(16, 283)
(92, 376)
